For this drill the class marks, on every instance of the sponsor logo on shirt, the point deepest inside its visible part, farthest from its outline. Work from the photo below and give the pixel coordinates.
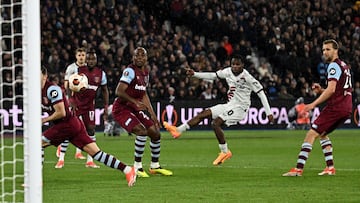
(140, 87)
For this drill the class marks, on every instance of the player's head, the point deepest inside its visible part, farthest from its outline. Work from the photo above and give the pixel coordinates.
(91, 59)
(140, 57)
(237, 64)
(44, 75)
(330, 50)
(80, 54)
(299, 100)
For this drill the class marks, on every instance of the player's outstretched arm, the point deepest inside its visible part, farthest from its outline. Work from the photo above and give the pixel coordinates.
(266, 105)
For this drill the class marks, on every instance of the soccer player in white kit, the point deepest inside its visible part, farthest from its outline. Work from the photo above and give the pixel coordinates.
(241, 83)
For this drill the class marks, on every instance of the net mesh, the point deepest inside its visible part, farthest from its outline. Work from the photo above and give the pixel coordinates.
(11, 95)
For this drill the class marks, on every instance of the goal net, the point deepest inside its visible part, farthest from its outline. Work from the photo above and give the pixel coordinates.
(20, 104)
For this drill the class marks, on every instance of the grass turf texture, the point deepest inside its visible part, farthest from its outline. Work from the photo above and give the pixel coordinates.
(253, 174)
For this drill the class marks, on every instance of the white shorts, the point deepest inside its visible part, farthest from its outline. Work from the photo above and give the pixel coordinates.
(231, 114)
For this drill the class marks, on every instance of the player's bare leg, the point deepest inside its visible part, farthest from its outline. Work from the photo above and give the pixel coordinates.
(225, 153)
(90, 162)
(176, 131)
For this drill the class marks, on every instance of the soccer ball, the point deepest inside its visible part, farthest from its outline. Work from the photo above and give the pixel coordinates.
(78, 82)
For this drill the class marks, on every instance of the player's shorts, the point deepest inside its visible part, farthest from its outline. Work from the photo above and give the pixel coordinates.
(128, 119)
(88, 118)
(328, 120)
(72, 129)
(231, 114)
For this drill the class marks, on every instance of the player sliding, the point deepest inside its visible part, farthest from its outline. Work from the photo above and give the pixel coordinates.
(338, 98)
(67, 126)
(241, 83)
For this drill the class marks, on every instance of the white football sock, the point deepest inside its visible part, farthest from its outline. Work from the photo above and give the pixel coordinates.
(137, 165)
(89, 158)
(154, 165)
(78, 150)
(183, 127)
(223, 147)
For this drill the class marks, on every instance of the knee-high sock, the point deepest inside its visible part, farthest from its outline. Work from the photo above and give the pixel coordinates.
(111, 161)
(155, 153)
(42, 155)
(63, 148)
(303, 155)
(140, 142)
(327, 149)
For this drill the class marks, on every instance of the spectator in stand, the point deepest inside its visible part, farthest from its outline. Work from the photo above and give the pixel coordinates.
(195, 30)
(283, 94)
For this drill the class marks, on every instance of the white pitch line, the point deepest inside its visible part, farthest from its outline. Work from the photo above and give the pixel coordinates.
(211, 166)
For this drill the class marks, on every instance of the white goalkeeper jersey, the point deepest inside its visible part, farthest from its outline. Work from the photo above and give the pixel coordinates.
(71, 69)
(240, 87)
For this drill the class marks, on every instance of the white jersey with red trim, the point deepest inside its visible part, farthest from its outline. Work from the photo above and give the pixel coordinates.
(240, 86)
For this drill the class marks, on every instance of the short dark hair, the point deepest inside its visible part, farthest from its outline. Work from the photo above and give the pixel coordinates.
(44, 70)
(238, 57)
(333, 42)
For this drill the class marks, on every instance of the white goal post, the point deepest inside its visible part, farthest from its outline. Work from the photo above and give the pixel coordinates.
(20, 143)
(32, 101)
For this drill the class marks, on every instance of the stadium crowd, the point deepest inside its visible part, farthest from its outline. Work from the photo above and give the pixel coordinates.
(281, 41)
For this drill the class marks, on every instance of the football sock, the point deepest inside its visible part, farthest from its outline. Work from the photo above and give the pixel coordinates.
(140, 142)
(328, 152)
(303, 155)
(154, 165)
(223, 148)
(109, 160)
(183, 127)
(63, 148)
(155, 150)
(138, 165)
(78, 150)
(42, 155)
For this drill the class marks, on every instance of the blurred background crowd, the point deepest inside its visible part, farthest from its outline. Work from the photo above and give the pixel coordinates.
(281, 41)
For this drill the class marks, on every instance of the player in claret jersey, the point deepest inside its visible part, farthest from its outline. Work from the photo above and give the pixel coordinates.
(133, 111)
(83, 103)
(338, 98)
(67, 126)
(241, 83)
(80, 55)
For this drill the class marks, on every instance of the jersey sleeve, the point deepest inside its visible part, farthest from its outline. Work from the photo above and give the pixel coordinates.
(54, 94)
(333, 71)
(103, 78)
(254, 84)
(222, 74)
(71, 69)
(128, 75)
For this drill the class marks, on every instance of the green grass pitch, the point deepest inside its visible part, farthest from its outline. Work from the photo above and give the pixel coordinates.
(253, 174)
